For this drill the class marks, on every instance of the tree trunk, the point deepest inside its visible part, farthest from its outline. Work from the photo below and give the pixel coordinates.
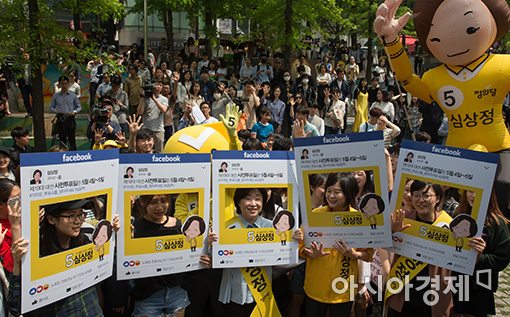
(287, 47)
(209, 29)
(77, 16)
(168, 23)
(368, 70)
(370, 45)
(37, 82)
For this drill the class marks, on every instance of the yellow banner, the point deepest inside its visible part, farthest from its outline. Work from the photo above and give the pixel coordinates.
(409, 267)
(262, 292)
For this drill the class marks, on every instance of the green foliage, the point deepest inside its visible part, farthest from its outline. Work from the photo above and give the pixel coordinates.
(159, 7)
(308, 17)
(58, 44)
(104, 9)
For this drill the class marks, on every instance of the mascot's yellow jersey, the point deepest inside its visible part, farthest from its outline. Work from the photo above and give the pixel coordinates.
(471, 96)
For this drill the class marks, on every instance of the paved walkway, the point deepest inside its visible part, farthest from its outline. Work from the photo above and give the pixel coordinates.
(503, 294)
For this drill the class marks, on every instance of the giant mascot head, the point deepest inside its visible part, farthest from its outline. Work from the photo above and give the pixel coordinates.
(457, 32)
(207, 137)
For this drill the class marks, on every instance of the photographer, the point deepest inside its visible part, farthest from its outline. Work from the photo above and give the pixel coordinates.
(120, 102)
(103, 120)
(152, 108)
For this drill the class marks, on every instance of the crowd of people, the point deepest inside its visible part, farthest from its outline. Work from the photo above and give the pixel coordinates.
(165, 94)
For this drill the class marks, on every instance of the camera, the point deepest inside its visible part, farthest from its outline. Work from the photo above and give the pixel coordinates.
(147, 90)
(99, 114)
(116, 80)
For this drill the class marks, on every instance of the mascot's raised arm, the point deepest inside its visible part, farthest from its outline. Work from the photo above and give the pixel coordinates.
(471, 84)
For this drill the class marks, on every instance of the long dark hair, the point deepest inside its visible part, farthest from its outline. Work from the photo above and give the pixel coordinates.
(369, 183)
(494, 215)
(48, 240)
(360, 87)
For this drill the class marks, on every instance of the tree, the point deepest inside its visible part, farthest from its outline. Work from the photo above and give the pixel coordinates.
(164, 10)
(30, 25)
(104, 9)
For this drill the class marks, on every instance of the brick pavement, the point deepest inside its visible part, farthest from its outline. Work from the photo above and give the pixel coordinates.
(503, 294)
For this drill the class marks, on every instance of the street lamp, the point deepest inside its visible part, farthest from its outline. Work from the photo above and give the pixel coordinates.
(145, 43)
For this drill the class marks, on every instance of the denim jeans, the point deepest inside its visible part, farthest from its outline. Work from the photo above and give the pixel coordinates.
(165, 302)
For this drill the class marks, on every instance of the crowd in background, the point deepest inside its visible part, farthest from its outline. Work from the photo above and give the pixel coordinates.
(166, 93)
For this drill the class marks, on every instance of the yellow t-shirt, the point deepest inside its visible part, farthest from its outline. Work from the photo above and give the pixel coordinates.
(322, 271)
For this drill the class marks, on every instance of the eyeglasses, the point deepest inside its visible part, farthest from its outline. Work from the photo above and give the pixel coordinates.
(74, 218)
(425, 196)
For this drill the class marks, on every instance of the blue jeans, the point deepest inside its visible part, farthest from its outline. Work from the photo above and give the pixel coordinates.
(165, 302)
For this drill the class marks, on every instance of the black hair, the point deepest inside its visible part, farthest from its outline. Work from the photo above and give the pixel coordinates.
(62, 78)
(316, 180)
(187, 224)
(6, 186)
(130, 168)
(348, 186)
(241, 193)
(109, 229)
(412, 155)
(19, 132)
(423, 136)
(364, 200)
(116, 80)
(252, 144)
(265, 110)
(369, 183)
(375, 112)
(282, 144)
(385, 95)
(360, 87)
(144, 134)
(243, 135)
(419, 185)
(35, 172)
(48, 241)
(133, 66)
(184, 73)
(276, 218)
(204, 103)
(303, 110)
(472, 224)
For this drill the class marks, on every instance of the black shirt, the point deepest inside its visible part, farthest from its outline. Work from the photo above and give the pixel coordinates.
(145, 287)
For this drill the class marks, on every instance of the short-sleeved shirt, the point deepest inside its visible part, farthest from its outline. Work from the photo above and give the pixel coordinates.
(152, 117)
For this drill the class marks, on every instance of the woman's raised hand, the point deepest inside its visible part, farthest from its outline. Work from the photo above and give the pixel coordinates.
(397, 221)
(316, 250)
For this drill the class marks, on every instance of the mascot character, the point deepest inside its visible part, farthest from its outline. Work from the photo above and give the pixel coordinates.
(471, 84)
(203, 139)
